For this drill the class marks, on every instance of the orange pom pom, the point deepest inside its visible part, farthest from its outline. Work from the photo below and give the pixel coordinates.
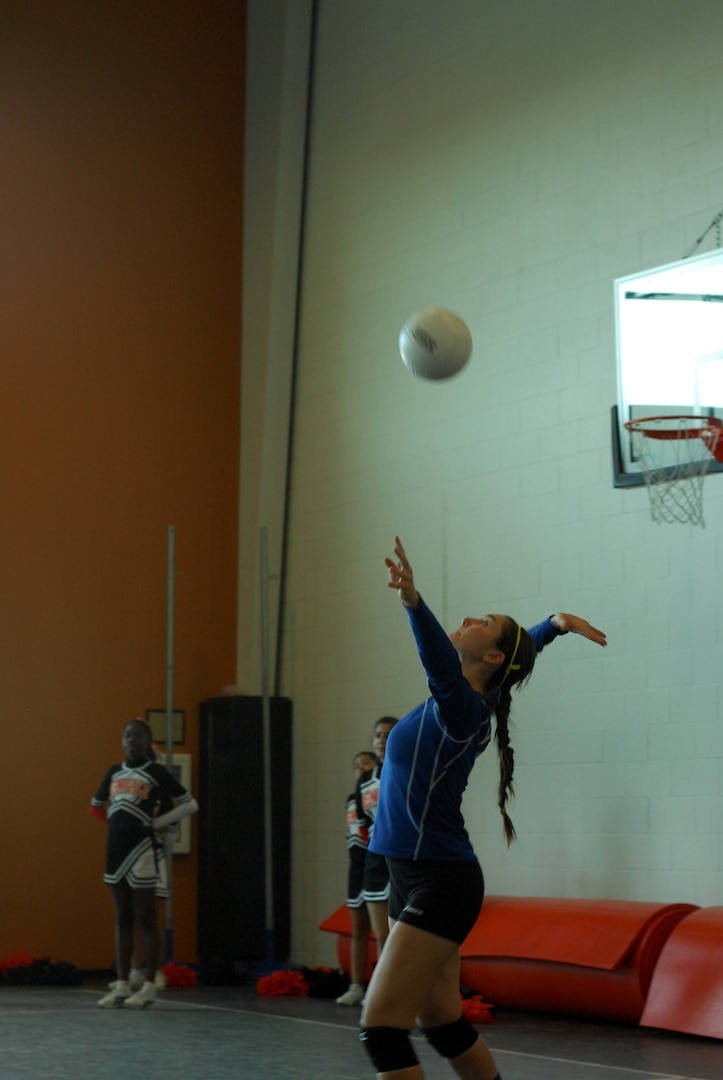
(280, 983)
(179, 975)
(476, 1011)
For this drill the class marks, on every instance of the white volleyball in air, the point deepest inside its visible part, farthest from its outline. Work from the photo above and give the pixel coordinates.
(435, 343)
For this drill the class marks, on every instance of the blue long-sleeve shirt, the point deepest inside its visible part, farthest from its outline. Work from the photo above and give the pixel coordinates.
(430, 753)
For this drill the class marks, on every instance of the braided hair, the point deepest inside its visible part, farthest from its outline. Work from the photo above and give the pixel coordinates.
(515, 670)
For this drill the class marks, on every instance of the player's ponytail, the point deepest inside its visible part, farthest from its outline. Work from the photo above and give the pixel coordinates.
(515, 670)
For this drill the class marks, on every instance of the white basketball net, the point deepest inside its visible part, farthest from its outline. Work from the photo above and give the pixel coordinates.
(674, 454)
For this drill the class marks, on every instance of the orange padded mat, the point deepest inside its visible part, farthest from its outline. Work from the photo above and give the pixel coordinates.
(686, 992)
(581, 957)
(590, 958)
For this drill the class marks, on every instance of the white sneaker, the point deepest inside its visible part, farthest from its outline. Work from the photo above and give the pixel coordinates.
(141, 998)
(353, 996)
(119, 994)
(160, 981)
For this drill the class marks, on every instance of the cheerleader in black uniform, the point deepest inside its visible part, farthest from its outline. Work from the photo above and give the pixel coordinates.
(376, 872)
(132, 794)
(357, 842)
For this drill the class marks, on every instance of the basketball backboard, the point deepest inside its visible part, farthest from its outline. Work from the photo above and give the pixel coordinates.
(669, 324)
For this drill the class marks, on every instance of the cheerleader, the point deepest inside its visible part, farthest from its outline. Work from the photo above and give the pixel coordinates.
(134, 796)
(357, 842)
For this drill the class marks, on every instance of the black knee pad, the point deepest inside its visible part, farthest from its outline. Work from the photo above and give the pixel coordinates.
(451, 1040)
(389, 1048)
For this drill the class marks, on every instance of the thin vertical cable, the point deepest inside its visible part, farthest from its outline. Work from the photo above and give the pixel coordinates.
(295, 350)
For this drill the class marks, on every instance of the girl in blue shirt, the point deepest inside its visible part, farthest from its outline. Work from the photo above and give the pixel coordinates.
(436, 881)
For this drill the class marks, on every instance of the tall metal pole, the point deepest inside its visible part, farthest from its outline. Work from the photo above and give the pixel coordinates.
(266, 716)
(170, 615)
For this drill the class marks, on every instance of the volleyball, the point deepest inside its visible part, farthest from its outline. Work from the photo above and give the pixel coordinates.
(435, 343)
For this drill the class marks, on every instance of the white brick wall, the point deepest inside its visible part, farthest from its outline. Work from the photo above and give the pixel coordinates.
(506, 161)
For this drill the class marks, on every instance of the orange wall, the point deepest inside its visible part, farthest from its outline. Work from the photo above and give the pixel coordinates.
(120, 256)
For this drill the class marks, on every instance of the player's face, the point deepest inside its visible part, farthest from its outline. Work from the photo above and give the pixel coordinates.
(363, 763)
(476, 639)
(136, 741)
(381, 733)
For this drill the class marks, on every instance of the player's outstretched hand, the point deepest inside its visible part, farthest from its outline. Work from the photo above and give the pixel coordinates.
(576, 625)
(401, 576)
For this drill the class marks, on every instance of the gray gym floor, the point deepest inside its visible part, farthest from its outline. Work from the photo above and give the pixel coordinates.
(212, 1033)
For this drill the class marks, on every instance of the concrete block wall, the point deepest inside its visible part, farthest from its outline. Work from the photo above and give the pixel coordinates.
(508, 161)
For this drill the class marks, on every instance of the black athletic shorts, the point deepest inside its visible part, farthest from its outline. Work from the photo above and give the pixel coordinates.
(376, 878)
(443, 898)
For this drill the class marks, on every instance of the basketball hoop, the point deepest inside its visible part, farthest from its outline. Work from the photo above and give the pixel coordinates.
(668, 451)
